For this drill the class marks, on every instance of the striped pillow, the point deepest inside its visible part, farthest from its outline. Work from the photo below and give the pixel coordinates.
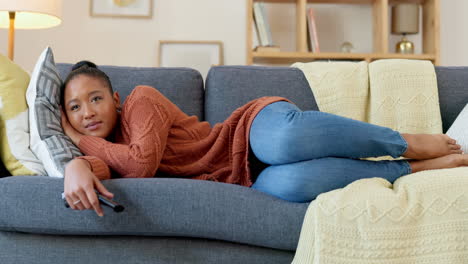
(48, 141)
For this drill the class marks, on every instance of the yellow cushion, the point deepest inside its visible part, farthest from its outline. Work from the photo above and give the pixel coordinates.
(14, 127)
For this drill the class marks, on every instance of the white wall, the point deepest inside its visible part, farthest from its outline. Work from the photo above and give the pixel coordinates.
(453, 32)
(133, 42)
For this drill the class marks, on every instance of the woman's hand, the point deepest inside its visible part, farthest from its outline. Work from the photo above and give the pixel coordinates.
(79, 185)
(71, 132)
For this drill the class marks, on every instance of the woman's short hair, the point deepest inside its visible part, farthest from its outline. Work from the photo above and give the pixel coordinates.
(87, 68)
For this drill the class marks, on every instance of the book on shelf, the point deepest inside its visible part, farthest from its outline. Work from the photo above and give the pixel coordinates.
(261, 22)
(266, 24)
(255, 37)
(312, 31)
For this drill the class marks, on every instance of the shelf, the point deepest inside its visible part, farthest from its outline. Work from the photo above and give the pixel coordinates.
(380, 33)
(308, 55)
(404, 56)
(320, 1)
(341, 1)
(297, 56)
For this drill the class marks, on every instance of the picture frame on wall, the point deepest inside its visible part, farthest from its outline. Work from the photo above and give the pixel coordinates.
(199, 55)
(121, 8)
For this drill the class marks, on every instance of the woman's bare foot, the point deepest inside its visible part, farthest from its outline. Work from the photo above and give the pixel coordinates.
(444, 162)
(429, 146)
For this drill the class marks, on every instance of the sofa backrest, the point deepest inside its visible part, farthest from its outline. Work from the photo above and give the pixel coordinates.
(228, 87)
(183, 86)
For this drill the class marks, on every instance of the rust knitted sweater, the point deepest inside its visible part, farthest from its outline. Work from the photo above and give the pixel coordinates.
(153, 134)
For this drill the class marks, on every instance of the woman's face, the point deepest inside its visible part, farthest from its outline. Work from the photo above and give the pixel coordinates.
(90, 106)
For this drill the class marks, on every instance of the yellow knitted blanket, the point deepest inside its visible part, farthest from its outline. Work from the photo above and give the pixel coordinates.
(396, 93)
(423, 217)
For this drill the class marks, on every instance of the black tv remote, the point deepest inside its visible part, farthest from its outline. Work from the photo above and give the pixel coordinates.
(104, 201)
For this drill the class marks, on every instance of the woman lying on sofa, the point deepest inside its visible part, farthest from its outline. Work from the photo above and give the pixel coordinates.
(307, 152)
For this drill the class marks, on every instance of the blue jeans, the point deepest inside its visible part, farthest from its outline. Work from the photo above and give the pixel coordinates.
(311, 152)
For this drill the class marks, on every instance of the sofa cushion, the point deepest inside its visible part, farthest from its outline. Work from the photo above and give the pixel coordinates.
(14, 128)
(53, 249)
(183, 86)
(155, 207)
(229, 87)
(48, 141)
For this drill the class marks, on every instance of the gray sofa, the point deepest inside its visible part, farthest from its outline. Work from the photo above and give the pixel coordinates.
(169, 220)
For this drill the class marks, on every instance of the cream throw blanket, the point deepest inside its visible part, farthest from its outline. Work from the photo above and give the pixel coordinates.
(423, 217)
(399, 94)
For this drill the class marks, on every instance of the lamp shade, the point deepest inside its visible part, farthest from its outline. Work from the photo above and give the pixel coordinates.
(31, 14)
(405, 18)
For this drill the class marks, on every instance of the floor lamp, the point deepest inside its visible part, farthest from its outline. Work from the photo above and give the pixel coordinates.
(28, 14)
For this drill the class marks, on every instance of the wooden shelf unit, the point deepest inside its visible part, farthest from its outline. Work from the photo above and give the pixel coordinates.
(380, 17)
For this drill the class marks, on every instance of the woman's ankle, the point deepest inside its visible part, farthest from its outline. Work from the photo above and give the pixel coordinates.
(444, 162)
(429, 146)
